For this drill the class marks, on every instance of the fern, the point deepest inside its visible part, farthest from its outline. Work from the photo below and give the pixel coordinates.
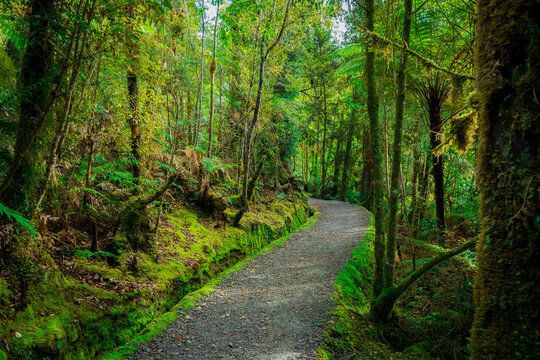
(212, 164)
(18, 218)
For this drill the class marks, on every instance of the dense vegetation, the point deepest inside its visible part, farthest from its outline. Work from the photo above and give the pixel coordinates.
(146, 146)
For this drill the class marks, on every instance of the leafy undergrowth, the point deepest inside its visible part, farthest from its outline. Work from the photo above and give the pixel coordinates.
(432, 319)
(83, 304)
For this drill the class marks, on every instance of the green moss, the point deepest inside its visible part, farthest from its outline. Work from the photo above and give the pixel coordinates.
(70, 320)
(236, 201)
(354, 333)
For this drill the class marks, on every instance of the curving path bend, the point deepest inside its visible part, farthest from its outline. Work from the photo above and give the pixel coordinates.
(272, 308)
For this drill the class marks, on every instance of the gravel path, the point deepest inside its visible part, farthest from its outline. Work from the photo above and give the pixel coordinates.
(272, 308)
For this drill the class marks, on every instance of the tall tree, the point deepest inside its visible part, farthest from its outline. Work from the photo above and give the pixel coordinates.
(432, 94)
(506, 291)
(264, 52)
(36, 83)
(212, 69)
(133, 94)
(396, 160)
(378, 189)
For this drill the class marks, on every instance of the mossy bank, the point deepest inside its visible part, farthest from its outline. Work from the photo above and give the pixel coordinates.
(86, 304)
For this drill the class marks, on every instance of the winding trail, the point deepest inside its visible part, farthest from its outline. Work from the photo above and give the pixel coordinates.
(272, 308)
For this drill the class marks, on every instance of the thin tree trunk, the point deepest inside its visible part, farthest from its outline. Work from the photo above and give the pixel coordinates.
(421, 201)
(133, 100)
(347, 155)
(213, 68)
(382, 306)
(323, 157)
(338, 157)
(396, 156)
(199, 100)
(416, 169)
(249, 134)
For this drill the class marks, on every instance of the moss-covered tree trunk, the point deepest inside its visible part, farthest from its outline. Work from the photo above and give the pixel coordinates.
(378, 190)
(382, 305)
(393, 196)
(507, 292)
(366, 179)
(36, 82)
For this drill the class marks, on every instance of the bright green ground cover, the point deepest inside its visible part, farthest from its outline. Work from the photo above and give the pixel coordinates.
(96, 307)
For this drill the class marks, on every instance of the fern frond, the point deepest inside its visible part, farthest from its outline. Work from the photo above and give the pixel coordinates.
(18, 218)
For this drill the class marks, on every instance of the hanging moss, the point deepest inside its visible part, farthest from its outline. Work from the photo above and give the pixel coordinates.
(458, 88)
(213, 66)
(462, 130)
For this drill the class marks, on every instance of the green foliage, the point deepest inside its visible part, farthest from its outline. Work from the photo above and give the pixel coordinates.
(213, 164)
(18, 219)
(85, 254)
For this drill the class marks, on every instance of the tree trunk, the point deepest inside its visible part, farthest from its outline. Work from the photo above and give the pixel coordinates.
(213, 68)
(338, 157)
(366, 180)
(382, 305)
(421, 201)
(416, 169)
(18, 192)
(199, 98)
(506, 291)
(133, 100)
(250, 130)
(323, 157)
(378, 193)
(347, 155)
(437, 169)
(396, 157)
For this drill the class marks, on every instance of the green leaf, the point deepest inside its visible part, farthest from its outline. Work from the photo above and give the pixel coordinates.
(18, 218)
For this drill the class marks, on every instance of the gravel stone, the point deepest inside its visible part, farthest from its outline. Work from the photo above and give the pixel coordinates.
(273, 308)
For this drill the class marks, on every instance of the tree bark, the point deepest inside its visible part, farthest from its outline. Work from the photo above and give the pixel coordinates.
(382, 305)
(366, 179)
(506, 292)
(378, 192)
(396, 157)
(133, 101)
(36, 82)
(213, 68)
(199, 98)
(437, 161)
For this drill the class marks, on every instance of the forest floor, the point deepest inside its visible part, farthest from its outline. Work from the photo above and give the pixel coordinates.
(277, 305)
